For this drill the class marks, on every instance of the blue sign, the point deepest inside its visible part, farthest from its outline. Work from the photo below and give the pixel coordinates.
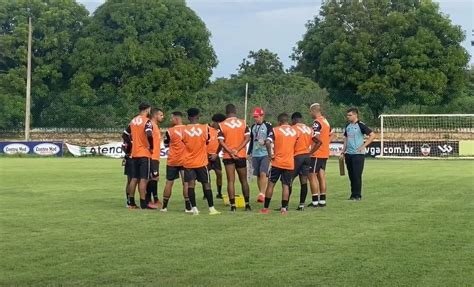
(35, 148)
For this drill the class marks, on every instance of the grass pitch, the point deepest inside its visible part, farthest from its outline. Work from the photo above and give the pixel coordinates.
(63, 222)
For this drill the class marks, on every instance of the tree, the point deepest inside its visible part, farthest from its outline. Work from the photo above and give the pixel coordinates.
(153, 50)
(56, 26)
(261, 62)
(272, 89)
(384, 53)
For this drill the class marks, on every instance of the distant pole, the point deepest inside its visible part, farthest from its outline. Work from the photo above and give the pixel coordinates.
(28, 85)
(246, 96)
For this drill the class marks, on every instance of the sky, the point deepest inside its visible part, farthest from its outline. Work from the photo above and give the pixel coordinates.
(239, 26)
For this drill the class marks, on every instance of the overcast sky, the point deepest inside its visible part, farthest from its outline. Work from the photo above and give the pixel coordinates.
(238, 26)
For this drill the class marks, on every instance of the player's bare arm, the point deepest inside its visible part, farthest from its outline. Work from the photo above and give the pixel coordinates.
(167, 140)
(268, 145)
(226, 148)
(244, 143)
(149, 134)
(317, 142)
(344, 147)
(214, 156)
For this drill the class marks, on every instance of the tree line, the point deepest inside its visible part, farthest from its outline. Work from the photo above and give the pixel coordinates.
(92, 70)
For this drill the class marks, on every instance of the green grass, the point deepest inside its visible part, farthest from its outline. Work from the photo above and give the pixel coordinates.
(63, 222)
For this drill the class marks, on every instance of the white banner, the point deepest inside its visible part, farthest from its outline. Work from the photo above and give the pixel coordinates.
(113, 149)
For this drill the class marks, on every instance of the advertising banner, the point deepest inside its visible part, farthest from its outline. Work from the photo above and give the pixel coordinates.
(406, 148)
(32, 148)
(113, 149)
(400, 148)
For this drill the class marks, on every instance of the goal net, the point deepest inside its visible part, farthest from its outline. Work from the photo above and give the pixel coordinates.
(427, 136)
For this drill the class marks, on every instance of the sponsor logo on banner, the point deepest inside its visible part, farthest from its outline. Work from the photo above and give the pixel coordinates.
(16, 148)
(445, 149)
(46, 149)
(405, 148)
(32, 147)
(113, 149)
(425, 149)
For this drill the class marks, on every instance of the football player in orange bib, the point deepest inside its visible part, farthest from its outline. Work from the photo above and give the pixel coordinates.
(195, 138)
(140, 132)
(175, 161)
(213, 150)
(284, 138)
(302, 159)
(322, 134)
(156, 117)
(233, 136)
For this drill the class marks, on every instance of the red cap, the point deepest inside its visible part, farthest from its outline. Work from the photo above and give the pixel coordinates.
(258, 112)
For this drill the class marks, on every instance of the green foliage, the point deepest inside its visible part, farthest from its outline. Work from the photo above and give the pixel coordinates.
(93, 72)
(384, 53)
(57, 24)
(158, 51)
(269, 87)
(261, 62)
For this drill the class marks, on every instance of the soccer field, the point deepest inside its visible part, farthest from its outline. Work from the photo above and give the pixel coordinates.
(63, 222)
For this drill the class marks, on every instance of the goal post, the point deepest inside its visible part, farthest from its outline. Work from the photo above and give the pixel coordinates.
(435, 136)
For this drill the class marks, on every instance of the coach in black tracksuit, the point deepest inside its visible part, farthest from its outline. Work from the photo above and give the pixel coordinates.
(354, 150)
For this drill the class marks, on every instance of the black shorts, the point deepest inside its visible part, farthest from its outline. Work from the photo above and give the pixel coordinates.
(239, 162)
(141, 167)
(172, 172)
(200, 173)
(214, 164)
(128, 166)
(317, 164)
(302, 163)
(154, 168)
(285, 175)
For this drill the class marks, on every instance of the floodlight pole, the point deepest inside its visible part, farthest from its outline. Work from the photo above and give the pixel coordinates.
(28, 85)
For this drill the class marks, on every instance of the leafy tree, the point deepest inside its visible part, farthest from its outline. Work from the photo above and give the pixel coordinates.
(261, 62)
(56, 26)
(384, 53)
(154, 50)
(272, 89)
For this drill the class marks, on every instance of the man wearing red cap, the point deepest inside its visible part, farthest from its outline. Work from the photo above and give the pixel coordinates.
(257, 151)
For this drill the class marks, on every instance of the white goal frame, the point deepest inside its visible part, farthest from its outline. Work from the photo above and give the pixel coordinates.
(383, 140)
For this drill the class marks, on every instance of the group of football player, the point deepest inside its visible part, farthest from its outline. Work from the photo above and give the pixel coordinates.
(283, 152)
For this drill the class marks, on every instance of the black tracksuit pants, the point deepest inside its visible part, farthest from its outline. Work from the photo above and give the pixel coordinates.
(355, 166)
